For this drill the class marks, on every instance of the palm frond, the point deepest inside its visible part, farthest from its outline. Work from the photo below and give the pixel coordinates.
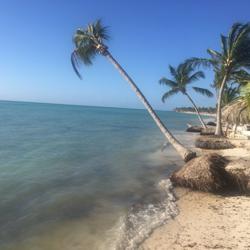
(245, 89)
(203, 91)
(214, 54)
(240, 51)
(200, 62)
(240, 76)
(230, 93)
(173, 71)
(168, 82)
(86, 54)
(81, 38)
(100, 31)
(75, 64)
(196, 76)
(170, 93)
(231, 37)
(224, 45)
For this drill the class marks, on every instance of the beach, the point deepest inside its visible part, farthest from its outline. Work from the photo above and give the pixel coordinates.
(205, 220)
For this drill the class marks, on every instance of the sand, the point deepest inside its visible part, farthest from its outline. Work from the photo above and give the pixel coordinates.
(207, 221)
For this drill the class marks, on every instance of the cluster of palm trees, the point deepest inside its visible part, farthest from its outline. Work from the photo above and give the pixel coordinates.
(230, 65)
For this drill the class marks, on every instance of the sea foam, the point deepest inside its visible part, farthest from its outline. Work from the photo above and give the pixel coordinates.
(142, 218)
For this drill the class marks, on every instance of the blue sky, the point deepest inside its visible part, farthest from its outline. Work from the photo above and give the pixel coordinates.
(147, 36)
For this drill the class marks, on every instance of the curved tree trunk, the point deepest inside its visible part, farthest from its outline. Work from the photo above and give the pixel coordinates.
(218, 130)
(197, 111)
(185, 153)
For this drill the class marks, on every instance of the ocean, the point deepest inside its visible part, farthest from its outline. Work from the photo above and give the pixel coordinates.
(79, 177)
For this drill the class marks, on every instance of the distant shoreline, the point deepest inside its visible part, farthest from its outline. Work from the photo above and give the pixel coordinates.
(194, 113)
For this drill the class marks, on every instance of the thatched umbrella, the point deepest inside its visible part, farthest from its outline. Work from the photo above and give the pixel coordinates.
(205, 173)
(236, 112)
(239, 170)
(213, 142)
(194, 129)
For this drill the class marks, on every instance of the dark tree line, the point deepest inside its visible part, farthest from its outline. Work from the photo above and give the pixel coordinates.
(210, 110)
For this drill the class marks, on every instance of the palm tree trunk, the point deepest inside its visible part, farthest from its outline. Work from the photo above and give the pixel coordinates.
(185, 153)
(218, 130)
(197, 111)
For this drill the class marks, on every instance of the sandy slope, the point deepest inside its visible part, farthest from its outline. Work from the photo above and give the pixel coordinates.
(207, 221)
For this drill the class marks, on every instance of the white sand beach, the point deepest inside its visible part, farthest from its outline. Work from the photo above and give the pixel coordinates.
(208, 221)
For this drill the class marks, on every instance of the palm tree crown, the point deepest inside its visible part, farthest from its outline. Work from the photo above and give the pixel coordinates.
(182, 76)
(88, 43)
(234, 57)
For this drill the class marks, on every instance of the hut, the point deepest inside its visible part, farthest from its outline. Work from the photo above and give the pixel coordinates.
(236, 117)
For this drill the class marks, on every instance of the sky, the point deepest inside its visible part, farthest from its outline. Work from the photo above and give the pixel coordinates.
(146, 36)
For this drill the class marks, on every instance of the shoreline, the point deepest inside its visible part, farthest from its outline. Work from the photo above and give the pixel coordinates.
(194, 113)
(206, 220)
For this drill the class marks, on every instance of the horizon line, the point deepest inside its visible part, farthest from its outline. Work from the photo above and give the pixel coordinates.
(82, 105)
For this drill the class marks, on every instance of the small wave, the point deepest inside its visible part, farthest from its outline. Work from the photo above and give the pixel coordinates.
(142, 219)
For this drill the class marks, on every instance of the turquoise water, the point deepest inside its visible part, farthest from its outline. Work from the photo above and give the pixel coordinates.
(69, 173)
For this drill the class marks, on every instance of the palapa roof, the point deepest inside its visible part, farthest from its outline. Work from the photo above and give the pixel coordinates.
(236, 112)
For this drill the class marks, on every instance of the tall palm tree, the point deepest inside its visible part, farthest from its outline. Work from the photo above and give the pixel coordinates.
(232, 62)
(89, 42)
(182, 76)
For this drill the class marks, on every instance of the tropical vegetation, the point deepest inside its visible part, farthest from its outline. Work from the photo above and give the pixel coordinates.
(230, 93)
(229, 64)
(210, 110)
(182, 77)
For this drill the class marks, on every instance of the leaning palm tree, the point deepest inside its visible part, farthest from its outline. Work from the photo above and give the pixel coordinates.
(182, 76)
(232, 62)
(89, 42)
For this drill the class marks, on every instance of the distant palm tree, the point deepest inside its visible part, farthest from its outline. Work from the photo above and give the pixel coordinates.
(232, 62)
(88, 43)
(182, 76)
